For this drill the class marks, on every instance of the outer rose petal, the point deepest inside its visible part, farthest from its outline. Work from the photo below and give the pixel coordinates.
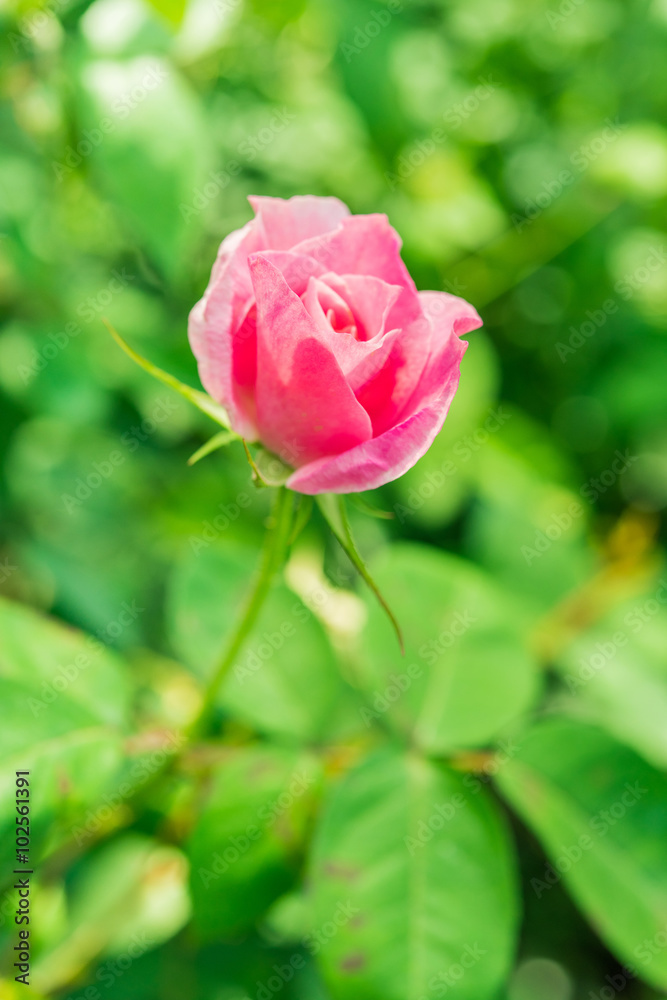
(305, 408)
(369, 245)
(449, 316)
(284, 223)
(392, 453)
(227, 369)
(449, 312)
(388, 456)
(218, 313)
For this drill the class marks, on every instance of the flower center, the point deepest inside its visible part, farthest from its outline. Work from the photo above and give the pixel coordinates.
(338, 314)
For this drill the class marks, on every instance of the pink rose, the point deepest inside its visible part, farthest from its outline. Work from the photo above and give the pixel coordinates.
(312, 335)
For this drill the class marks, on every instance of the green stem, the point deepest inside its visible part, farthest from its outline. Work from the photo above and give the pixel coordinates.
(273, 554)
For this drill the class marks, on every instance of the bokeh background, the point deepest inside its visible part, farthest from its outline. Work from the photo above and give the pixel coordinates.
(520, 150)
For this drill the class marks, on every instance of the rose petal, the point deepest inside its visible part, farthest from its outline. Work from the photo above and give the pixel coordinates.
(361, 244)
(449, 312)
(295, 268)
(223, 314)
(219, 312)
(305, 408)
(286, 222)
(370, 299)
(382, 459)
(389, 455)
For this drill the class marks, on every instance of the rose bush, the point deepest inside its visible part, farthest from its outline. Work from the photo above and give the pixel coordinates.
(313, 337)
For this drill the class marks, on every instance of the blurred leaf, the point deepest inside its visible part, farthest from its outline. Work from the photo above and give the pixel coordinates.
(286, 680)
(618, 669)
(154, 156)
(172, 10)
(414, 884)
(52, 660)
(217, 441)
(245, 848)
(526, 529)
(278, 15)
(335, 514)
(199, 399)
(434, 490)
(127, 898)
(63, 707)
(467, 673)
(601, 813)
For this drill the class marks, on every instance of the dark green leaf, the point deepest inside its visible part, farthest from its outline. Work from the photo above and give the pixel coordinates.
(244, 851)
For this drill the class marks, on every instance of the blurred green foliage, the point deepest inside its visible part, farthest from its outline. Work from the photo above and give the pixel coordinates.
(520, 149)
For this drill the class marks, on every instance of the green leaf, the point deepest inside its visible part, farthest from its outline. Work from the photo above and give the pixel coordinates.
(62, 714)
(359, 501)
(286, 680)
(58, 665)
(245, 849)
(130, 895)
(146, 162)
(617, 673)
(213, 444)
(601, 813)
(271, 470)
(333, 509)
(172, 10)
(302, 517)
(194, 396)
(413, 867)
(467, 674)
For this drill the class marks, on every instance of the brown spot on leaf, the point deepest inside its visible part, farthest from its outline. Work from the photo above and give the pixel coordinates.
(353, 962)
(337, 870)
